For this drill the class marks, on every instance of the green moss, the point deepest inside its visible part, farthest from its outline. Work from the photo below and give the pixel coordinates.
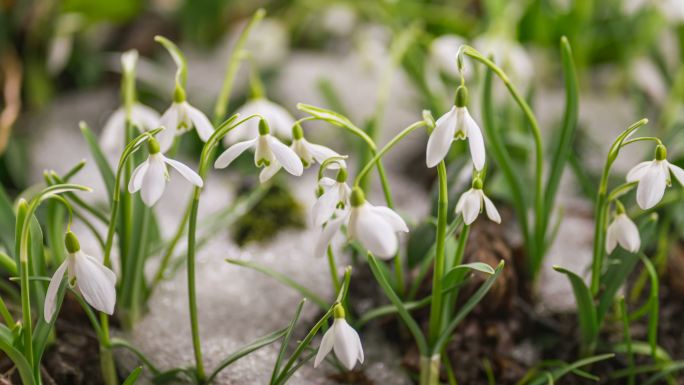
(277, 210)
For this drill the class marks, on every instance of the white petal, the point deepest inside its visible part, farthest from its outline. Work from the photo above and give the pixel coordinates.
(114, 130)
(637, 172)
(269, 171)
(144, 117)
(185, 171)
(677, 172)
(96, 283)
(280, 119)
(228, 156)
(611, 238)
(287, 158)
(51, 296)
(346, 344)
(627, 233)
(441, 138)
(651, 187)
(154, 181)
(322, 153)
(325, 206)
(471, 205)
(374, 233)
(201, 122)
(475, 141)
(490, 209)
(392, 218)
(327, 233)
(326, 182)
(169, 121)
(325, 347)
(137, 177)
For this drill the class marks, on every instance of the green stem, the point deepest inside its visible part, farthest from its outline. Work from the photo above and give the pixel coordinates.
(450, 298)
(435, 325)
(333, 269)
(161, 270)
(236, 56)
(540, 231)
(27, 326)
(139, 273)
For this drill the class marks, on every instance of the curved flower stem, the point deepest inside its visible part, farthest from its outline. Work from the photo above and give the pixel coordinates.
(435, 324)
(236, 57)
(333, 269)
(601, 208)
(539, 231)
(161, 270)
(205, 159)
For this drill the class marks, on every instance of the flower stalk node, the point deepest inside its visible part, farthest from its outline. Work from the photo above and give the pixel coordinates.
(264, 129)
(357, 197)
(461, 98)
(71, 242)
(660, 152)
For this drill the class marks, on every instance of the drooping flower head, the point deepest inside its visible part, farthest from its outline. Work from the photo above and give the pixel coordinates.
(334, 196)
(180, 118)
(311, 153)
(456, 124)
(151, 176)
(277, 117)
(343, 339)
(86, 275)
(375, 227)
(653, 177)
(471, 203)
(622, 231)
(269, 154)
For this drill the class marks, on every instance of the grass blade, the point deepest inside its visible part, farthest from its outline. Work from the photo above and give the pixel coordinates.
(100, 159)
(586, 311)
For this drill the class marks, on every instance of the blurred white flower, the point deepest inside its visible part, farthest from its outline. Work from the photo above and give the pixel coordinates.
(335, 195)
(456, 124)
(443, 52)
(150, 177)
(269, 43)
(87, 275)
(61, 44)
(269, 153)
(470, 204)
(646, 75)
(279, 120)
(343, 339)
(142, 117)
(653, 177)
(339, 19)
(624, 232)
(509, 54)
(179, 118)
(375, 227)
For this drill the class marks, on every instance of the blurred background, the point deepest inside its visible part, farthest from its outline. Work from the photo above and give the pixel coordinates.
(381, 62)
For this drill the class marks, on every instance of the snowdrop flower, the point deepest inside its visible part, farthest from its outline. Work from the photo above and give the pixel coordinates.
(269, 153)
(374, 226)
(151, 176)
(470, 204)
(311, 153)
(142, 117)
(622, 231)
(653, 177)
(87, 275)
(277, 117)
(457, 124)
(335, 196)
(180, 118)
(343, 339)
(443, 52)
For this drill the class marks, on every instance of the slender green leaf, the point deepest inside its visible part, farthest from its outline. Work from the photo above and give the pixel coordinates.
(286, 340)
(284, 279)
(653, 306)
(17, 358)
(570, 368)
(586, 310)
(123, 344)
(100, 160)
(457, 273)
(133, 377)
(7, 220)
(8, 264)
(567, 133)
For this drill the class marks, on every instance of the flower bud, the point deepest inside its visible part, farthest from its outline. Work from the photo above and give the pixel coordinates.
(357, 197)
(461, 98)
(264, 129)
(71, 242)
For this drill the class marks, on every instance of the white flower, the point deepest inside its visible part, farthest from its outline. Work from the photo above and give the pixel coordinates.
(150, 177)
(624, 232)
(653, 177)
(269, 153)
(335, 195)
(456, 124)
(343, 339)
(87, 275)
(178, 119)
(330, 228)
(277, 117)
(142, 117)
(374, 226)
(443, 51)
(311, 153)
(470, 205)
